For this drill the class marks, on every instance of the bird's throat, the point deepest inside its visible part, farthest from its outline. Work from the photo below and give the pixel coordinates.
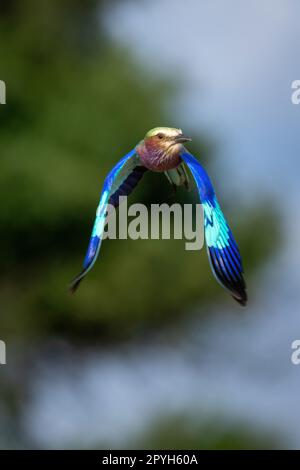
(159, 159)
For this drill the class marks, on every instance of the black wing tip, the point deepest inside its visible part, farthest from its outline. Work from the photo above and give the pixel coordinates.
(72, 288)
(241, 299)
(239, 292)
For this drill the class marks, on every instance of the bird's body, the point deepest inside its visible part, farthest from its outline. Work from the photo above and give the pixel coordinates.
(162, 150)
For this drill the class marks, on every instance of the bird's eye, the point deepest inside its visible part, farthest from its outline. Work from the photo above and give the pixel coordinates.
(160, 135)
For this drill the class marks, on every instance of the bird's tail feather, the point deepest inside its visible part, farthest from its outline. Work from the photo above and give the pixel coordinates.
(178, 176)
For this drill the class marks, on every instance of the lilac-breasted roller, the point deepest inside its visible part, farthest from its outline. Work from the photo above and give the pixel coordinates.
(162, 150)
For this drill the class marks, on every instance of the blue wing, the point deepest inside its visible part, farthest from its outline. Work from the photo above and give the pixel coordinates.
(223, 252)
(120, 182)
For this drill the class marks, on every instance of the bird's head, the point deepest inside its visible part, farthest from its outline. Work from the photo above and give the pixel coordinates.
(167, 139)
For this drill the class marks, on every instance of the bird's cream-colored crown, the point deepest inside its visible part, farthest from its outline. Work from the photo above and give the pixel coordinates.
(167, 131)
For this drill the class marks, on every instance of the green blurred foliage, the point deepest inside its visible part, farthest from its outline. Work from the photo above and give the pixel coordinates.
(180, 432)
(75, 105)
(193, 431)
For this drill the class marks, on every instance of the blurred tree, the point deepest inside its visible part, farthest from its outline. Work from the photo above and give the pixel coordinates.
(186, 432)
(76, 104)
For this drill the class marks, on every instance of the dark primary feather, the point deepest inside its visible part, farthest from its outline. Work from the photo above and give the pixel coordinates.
(227, 268)
(126, 188)
(223, 252)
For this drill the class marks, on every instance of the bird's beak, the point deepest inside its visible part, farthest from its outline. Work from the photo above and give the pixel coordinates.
(179, 139)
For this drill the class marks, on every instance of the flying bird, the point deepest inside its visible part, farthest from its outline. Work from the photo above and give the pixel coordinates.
(162, 151)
